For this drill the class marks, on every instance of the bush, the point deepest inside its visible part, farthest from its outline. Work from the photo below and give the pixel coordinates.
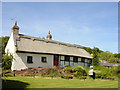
(101, 72)
(7, 61)
(67, 77)
(68, 69)
(79, 71)
(107, 73)
(51, 72)
(115, 70)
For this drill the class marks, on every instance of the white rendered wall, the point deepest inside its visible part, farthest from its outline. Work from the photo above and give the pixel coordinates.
(10, 47)
(21, 61)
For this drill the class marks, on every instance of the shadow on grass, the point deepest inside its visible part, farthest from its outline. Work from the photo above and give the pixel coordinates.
(13, 84)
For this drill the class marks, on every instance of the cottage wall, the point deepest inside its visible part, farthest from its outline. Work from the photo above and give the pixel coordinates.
(20, 61)
(10, 47)
(85, 62)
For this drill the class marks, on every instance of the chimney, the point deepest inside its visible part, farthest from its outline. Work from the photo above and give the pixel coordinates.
(49, 36)
(15, 29)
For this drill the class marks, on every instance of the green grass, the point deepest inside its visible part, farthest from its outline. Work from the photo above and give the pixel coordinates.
(40, 82)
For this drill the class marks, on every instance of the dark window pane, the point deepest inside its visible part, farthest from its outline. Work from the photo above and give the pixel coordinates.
(90, 61)
(29, 59)
(75, 59)
(44, 59)
(82, 59)
(67, 58)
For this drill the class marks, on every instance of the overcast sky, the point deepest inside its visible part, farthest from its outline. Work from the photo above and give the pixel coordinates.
(84, 23)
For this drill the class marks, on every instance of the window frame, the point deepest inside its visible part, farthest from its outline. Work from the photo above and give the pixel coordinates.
(42, 59)
(30, 59)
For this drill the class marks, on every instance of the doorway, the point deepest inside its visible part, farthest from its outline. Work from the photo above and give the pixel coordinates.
(56, 60)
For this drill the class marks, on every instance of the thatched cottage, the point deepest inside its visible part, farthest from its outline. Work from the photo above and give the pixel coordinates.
(31, 51)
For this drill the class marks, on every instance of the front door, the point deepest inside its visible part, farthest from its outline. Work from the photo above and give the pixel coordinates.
(56, 59)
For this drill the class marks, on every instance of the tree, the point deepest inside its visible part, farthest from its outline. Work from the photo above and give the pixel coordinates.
(3, 42)
(88, 49)
(109, 57)
(117, 55)
(7, 61)
(95, 60)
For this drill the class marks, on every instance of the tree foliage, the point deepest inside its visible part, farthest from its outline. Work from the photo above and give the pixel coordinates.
(95, 56)
(91, 51)
(4, 41)
(107, 73)
(108, 56)
(102, 55)
(117, 55)
(88, 49)
(7, 61)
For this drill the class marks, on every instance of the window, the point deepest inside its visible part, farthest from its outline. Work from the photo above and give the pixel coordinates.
(71, 58)
(82, 59)
(79, 59)
(89, 61)
(62, 57)
(43, 59)
(75, 59)
(86, 60)
(29, 59)
(67, 58)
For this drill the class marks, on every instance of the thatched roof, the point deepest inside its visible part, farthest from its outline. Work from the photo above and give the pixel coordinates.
(38, 45)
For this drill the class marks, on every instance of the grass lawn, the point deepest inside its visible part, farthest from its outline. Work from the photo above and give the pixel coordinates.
(40, 82)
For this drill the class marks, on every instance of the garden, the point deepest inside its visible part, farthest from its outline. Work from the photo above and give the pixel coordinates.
(56, 77)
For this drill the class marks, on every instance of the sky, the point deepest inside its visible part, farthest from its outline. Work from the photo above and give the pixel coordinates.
(90, 24)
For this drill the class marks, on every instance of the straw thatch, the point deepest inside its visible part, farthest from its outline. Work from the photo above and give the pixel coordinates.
(37, 45)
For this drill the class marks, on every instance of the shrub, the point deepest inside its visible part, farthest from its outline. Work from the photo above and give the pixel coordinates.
(7, 61)
(79, 71)
(107, 73)
(115, 70)
(67, 77)
(51, 72)
(101, 72)
(68, 68)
